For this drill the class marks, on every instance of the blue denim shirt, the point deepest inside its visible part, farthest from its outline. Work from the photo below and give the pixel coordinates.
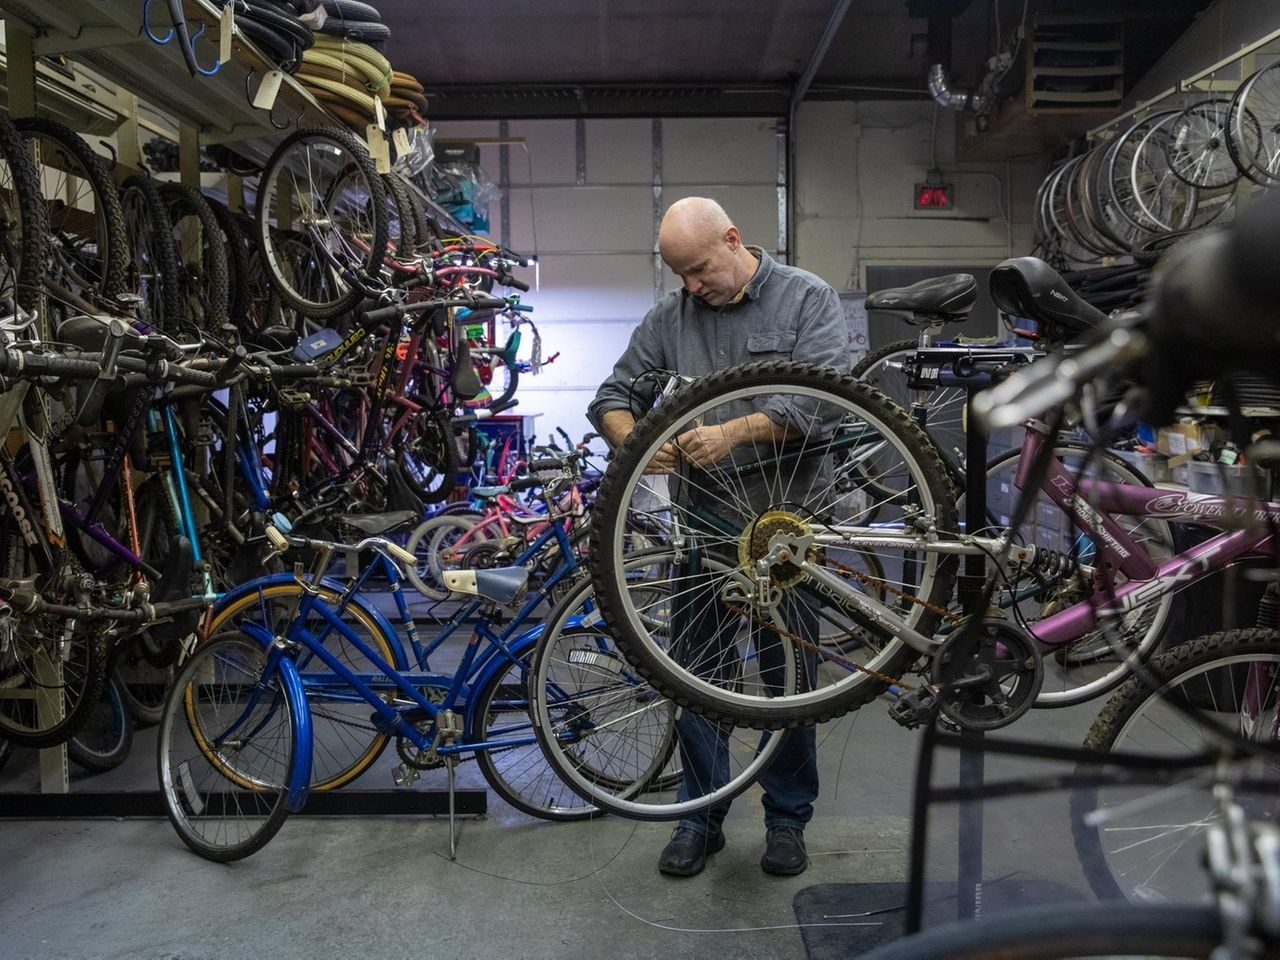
(786, 314)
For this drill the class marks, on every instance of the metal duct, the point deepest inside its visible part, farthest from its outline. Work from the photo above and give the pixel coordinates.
(940, 90)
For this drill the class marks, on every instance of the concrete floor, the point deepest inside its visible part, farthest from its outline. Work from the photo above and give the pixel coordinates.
(520, 887)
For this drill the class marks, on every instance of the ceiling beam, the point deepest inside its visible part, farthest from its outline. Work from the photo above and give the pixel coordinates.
(820, 52)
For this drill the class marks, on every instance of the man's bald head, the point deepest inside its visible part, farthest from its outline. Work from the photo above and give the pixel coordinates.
(699, 242)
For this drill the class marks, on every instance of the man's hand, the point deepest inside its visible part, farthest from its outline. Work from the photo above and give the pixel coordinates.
(666, 460)
(705, 446)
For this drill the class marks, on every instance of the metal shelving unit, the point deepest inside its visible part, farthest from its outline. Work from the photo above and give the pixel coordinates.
(107, 36)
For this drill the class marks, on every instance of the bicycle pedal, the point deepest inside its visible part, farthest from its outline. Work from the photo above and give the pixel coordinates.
(404, 775)
(915, 708)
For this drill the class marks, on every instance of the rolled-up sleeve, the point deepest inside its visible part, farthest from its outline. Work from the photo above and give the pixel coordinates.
(619, 391)
(822, 338)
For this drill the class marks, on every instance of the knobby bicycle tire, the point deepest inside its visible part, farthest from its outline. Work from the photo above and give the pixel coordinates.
(406, 237)
(32, 217)
(429, 456)
(1058, 931)
(238, 282)
(102, 743)
(211, 289)
(111, 279)
(1185, 662)
(609, 529)
(161, 253)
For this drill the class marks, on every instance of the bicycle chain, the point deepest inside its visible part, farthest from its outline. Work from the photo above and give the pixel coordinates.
(952, 618)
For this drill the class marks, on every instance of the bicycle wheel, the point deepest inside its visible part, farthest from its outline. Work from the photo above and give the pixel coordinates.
(1148, 845)
(153, 260)
(1196, 149)
(225, 750)
(103, 741)
(143, 685)
(345, 742)
(794, 480)
(401, 226)
(25, 237)
(321, 185)
(944, 406)
(202, 259)
(1059, 931)
(1088, 666)
(515, 766)
(609, 734)
(1254, 141)
(87, 253)
(51, 670)
(427, 540)
(429, 454)
(239, 275)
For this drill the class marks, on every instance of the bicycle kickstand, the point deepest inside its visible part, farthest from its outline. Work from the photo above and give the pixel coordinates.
(451, 765)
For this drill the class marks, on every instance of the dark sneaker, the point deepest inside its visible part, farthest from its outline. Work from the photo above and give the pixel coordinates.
(784, 852)
(687, 851)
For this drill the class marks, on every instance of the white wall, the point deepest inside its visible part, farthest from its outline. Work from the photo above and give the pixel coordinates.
(857, 163)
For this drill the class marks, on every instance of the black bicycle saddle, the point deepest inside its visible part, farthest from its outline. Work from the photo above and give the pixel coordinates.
(1029, 287)
(936, 300)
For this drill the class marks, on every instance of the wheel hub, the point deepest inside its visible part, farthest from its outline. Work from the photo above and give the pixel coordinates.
(753, 545)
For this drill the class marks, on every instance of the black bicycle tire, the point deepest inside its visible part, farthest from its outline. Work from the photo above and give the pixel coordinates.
(352, 11)
(407, 241)
(272, 822)
(107, 200)
(1117, 711)
(364, 32)
(145, 713)
(1199, 107)
(6, 751)
(422, 232)
(278, 46)
(435, 427)
(100, 761)
(95, 665)
(377, 247)
(156, 507)
(183, 200)
(1056, 931)
(33, 215)
(161, 246)
(670, 681)
(266, 15)
(238, 301)
(499, 785)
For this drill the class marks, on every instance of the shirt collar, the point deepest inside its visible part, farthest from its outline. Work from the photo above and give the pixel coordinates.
(757, 281)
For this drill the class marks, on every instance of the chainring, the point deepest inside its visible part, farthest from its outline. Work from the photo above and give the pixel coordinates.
(1005, 665)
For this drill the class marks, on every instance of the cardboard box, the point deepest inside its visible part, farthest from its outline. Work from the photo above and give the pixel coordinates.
(1182, 439)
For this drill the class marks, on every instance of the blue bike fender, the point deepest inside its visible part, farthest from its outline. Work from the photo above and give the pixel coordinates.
(397, 648)
(300, 773)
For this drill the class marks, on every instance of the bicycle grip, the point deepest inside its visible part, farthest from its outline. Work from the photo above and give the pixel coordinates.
(509, 281)
(382, 314)
(523, 483)
(549, 463)
(278, 541)
(293, 371)
(401, 554)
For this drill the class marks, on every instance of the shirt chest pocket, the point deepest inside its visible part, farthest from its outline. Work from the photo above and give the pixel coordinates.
(771, 346)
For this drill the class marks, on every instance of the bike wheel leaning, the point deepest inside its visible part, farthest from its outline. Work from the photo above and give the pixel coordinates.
(516, 767)
(834, 453)
(103, 741)
(1148, 845)
(610, 735)
(345, 742)
(226, 749)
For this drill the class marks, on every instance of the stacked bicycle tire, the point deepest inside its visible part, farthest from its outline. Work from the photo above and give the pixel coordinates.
(1170, 172)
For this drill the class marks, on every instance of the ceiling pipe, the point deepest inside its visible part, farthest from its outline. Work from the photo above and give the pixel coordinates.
(943, 94)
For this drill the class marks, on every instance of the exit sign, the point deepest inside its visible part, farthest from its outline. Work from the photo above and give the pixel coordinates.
(934, 196)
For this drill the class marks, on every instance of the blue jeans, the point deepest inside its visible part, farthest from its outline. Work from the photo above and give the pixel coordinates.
(790, 780)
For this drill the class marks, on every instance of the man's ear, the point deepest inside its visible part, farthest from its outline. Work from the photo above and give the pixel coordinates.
(733, 238)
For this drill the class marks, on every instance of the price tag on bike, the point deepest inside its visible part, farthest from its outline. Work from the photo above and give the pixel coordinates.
(268, 90)
(400, 140)
(226, 32)
(379, 150)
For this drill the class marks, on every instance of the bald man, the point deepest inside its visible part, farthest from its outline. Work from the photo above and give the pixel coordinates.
(737, 305)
